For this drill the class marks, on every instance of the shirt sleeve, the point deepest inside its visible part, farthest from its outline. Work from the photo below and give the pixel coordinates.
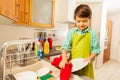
(95, 47)
(67, 43)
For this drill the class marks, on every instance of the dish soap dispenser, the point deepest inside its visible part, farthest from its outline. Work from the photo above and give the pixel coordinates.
(40, 51)
(46, 47)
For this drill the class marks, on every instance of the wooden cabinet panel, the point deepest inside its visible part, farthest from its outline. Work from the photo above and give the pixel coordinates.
(106, 56)
(22, 11)
(4, 8)
(15, 9)
(25, 12)
(42, 13)
(8, 9)
(11, 10)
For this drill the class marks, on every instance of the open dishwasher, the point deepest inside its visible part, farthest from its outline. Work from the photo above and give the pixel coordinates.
(15, 54)
(18, 56)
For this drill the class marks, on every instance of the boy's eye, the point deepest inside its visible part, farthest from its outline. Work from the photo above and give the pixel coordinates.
(84, 21)
(81, 21)
(78, 21)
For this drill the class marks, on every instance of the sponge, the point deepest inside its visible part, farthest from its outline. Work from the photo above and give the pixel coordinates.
(47, 77)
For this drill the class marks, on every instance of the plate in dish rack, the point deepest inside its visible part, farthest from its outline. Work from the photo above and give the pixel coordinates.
(78, 64)
(43, 71)
(26, 75)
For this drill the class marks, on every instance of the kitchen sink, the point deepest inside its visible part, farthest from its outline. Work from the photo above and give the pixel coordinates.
(35, 67)
(21, 58)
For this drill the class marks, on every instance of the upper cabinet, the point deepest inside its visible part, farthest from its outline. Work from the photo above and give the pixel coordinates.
(22, 11)
(16, 10)
(7, 8)
(42, 13)
(65, 10)
(36, 13)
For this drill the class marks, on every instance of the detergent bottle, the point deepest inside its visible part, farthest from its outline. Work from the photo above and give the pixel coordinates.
(46, 47)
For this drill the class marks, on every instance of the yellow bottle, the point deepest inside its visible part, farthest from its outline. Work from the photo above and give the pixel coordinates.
(35, 48)
(46, 47)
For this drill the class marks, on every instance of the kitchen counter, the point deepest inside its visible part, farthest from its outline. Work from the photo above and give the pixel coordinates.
(53, 52)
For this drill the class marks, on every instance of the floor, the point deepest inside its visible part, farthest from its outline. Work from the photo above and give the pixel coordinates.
(109, 71)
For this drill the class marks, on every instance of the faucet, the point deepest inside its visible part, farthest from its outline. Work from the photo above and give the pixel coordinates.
(3, 53)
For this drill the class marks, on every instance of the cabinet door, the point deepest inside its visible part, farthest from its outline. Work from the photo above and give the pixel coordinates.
(22, 10)
(41, 13)
(8, 9)
(106, 55)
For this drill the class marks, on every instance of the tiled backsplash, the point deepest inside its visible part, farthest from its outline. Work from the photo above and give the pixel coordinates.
(46, 33)
(61, 33)
(10, 32)
(58, 34)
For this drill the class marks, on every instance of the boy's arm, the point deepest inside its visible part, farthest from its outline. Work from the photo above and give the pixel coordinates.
(95, 47)
(64, 59)
(65, 47)
(91, 57)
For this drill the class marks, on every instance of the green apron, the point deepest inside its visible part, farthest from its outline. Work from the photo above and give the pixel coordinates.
(81, 49)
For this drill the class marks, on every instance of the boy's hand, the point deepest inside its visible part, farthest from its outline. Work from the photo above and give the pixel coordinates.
(64, 59)
(88, 59)
(91, 57)
(62, 63)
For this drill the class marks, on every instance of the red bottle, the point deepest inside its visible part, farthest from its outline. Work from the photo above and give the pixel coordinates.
(50, 42)
(41, 40)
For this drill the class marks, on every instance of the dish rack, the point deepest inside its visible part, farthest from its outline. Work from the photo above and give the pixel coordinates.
(22, 54)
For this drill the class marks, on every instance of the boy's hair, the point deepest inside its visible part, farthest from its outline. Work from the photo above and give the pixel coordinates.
(83, 11)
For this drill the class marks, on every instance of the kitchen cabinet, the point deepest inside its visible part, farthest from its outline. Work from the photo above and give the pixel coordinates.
(7, 8)
(16, 10)
(65, 10)
(36, 13)
(22, 12)
(42, 13)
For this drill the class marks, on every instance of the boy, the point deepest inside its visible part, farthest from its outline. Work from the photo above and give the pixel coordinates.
(83, 41)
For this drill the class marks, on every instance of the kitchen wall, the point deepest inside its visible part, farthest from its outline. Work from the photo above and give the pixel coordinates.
(115, 18)
(9, 32)
(61, 32)
(15, 32)
(102, 27)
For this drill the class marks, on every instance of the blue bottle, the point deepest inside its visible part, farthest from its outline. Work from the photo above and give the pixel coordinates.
(40, 53)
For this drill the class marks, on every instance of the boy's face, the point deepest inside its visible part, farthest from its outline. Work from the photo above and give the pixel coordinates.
(82, 23)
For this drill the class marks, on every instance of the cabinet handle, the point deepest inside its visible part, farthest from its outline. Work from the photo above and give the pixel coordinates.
(17, 11)
(26, 17)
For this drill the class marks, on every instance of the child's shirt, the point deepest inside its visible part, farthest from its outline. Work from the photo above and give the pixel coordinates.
(95, 47)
